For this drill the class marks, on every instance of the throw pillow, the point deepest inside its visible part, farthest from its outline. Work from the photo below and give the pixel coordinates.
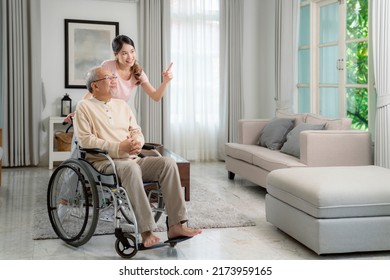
(330, 124)
(299, 118)
(292, 146)
(275, 132)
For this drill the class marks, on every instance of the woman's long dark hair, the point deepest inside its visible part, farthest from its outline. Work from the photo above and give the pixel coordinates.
(117, 45)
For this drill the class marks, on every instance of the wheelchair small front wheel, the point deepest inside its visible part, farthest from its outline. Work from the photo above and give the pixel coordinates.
(126, 251)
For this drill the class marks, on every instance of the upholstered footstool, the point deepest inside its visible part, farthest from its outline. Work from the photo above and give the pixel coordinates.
(332, 209)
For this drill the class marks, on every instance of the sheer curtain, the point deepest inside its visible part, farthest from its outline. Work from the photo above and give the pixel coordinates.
(381, 43)
(20, 81)
(191, 109)
(286, 24)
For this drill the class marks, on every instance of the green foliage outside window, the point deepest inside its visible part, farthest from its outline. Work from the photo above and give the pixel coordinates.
(357, 62)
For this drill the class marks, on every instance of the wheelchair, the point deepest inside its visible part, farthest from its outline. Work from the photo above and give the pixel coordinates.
(78, 196)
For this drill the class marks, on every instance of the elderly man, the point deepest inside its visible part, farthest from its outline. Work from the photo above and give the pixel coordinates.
(108, 123)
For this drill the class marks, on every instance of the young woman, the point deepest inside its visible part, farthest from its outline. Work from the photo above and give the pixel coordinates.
(129, 73)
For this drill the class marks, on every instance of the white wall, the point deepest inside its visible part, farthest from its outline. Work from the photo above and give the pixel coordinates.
(53, 13)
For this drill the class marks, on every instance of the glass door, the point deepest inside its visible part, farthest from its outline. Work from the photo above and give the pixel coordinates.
(333, 66)
(303, 99)
(330, 62)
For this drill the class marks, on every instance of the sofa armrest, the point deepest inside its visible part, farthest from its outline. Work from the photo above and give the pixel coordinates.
(249, 130)
(335, 148)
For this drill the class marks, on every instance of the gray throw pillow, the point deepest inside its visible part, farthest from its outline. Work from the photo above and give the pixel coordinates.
(275, 132)
(292, 146)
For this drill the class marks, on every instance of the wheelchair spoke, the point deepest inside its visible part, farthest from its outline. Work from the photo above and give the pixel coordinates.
(72, 203)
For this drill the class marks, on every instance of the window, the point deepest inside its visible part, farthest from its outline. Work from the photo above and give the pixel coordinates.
(333, 66)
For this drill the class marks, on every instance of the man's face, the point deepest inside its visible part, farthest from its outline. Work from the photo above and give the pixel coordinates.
(105, 86)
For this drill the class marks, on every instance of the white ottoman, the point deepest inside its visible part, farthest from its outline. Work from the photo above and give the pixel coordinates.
(332, 209)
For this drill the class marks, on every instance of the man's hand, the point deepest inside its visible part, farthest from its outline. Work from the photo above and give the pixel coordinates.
(130, 146)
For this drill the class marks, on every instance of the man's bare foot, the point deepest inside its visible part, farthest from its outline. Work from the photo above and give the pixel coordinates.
(149, 239)
(182, 230)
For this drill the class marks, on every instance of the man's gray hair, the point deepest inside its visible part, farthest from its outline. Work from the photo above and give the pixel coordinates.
(91, 76)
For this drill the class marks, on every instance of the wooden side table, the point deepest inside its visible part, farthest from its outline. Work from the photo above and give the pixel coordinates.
(184, 171)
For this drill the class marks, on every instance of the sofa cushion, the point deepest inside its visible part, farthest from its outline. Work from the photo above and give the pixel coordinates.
(273, 159)
(330, 124)
(334, 192)
(240, 151)
(292, 145)
(275, 132)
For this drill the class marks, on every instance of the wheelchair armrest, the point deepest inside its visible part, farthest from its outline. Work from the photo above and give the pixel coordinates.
(93, 151)
(97, 151)
(148, 146)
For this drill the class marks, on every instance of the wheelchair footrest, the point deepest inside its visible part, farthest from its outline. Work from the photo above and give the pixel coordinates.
(177, 239)
(169, 242)
(141, 246)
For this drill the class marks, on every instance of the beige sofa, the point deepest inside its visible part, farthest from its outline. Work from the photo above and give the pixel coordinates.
(335, 145)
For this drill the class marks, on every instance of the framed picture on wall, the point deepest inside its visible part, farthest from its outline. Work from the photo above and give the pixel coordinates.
(87, 44)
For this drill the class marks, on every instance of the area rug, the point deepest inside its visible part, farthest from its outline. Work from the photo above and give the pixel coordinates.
(205, 210)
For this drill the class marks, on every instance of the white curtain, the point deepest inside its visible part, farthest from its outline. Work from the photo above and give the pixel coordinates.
(286, 32)
(20, 81)
(191, 110)
(154, 58)
(381, 43)
(231, 103)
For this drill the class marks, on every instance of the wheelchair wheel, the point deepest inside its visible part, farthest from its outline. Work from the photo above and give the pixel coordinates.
(129, 250)
(72, 202)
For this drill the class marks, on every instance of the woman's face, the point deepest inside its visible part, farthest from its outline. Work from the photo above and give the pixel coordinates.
(126, 55)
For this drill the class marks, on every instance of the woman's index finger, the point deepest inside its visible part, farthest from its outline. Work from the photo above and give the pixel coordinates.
(169, 67)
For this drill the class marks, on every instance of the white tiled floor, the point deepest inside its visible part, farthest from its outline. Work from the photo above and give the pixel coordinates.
(261, 242)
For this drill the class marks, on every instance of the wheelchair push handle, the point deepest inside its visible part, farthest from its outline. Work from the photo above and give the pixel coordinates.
(68, 123)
